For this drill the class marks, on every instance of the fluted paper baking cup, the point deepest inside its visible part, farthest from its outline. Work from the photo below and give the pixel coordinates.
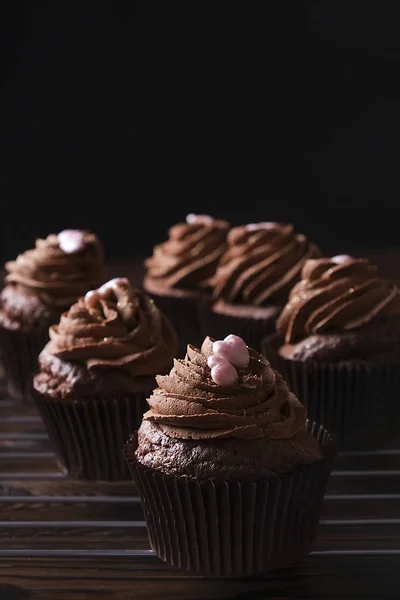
(251, 329)
(234, 528)
(88, 435)
(19, 356)
(341, 396)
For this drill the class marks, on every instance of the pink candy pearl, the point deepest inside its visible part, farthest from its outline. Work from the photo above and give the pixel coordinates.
(200, 219)
(71, 240)
(215, 360)
(91, 298)
(94, 296)
(113, 283)
(263, 225)
(233, 349)
(340, 259)
(222, 372)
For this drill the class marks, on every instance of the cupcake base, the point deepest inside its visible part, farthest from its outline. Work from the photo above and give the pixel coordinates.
(233, 528)
(342, 396)
(251, 323)
(19, 356)
(88, 435)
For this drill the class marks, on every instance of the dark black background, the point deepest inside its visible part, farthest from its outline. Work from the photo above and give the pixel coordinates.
(124, 116)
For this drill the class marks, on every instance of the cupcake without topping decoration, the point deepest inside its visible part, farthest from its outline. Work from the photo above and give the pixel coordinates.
(39, 286)
(228, 444)
(177, 275)
(341, 324)
(95, 374)
(253, 279)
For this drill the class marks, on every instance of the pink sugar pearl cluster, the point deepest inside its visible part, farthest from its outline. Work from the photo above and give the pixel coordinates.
(193, 219)
(267, 225)
(92, 297)
(340, 259)
(228, 354)
(71, 240)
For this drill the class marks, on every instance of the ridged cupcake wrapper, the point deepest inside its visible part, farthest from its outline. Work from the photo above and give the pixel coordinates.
(343, 397)
(233, 528)
(184, 316)
(88, 436)
(19, 356)
(218, 326)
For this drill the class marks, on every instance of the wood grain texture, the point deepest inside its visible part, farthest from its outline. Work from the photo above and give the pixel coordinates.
(73, 540)
(366, 578)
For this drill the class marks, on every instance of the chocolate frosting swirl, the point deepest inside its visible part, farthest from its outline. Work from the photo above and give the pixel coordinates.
(189, 257)
(336, 294)
(115, 327)
(57, 276)
(188, 404)
(261, 264)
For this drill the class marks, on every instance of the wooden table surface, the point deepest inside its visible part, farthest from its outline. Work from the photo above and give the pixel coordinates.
(65, 539)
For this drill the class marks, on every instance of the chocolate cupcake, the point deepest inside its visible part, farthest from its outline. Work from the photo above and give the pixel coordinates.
(230, 475)
(95, 374)
(39, 286)
(337, 341)
(253, 279)
(178, 273)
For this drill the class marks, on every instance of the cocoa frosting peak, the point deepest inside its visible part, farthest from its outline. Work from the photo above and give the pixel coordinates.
(337, 294)
(261, 264)
(115, 326)
(188, 404)
(60, 268)
(189, 257)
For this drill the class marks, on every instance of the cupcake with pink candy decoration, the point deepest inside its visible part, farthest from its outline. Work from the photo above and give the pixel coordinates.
(95, 374)
(337, 341)
(39, 286)
(253, 278)
(230, 472)
(178, 273)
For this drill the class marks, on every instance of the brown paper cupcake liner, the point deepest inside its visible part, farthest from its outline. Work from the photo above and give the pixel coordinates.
(88, 435)
(19, 356)
(234, 528)
(184, 316)
(219, 325)
(344, 396)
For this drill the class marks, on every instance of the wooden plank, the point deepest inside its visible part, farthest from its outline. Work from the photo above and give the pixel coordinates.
(316, 578)
(334, 535)
(62, 486)
(128, 508)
